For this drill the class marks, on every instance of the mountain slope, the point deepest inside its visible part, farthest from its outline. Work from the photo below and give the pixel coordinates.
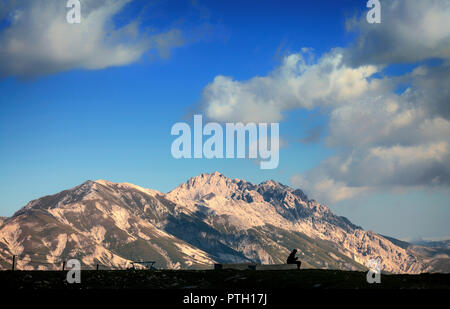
(242, 205)
(97, 222)
(436, 254)
(210, 218)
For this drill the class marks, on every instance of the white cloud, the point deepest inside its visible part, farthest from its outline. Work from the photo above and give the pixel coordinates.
(386, 141)
(295, 84)
(326, 188)
(383, 139)
(40, 41)
(358, 171)
(410, 31)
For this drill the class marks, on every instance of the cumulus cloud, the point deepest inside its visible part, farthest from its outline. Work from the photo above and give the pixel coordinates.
(410, 31)
(37, 39)
(430, 85)
(362, 170)
(294, 84)
(325, 188)
(383, 138)
(386, 141)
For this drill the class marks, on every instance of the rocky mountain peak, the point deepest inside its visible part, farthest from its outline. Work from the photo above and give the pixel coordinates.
(208, 218)
(126, 186)
(72, 195)
(275, 186)
(104, 182)
(271, 183)
(207, 178)
(88, 190)
(206, 184)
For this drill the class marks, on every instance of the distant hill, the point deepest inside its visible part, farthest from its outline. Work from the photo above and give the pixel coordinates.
(436, 254)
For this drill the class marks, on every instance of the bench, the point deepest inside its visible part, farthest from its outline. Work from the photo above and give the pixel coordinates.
(145, 264)
(242, 266)
(276, 266)
(250, 266)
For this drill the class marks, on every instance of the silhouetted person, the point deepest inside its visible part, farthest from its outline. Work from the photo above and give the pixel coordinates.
(292, 259)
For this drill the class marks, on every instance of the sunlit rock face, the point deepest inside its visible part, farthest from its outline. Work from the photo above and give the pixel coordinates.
(210, 218)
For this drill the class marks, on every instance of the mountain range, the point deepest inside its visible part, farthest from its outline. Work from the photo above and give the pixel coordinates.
(208, 219)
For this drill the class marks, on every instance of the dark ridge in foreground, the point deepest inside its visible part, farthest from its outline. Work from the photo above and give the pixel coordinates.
(225, 279)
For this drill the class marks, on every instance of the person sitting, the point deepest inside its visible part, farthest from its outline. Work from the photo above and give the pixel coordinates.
(292, 259)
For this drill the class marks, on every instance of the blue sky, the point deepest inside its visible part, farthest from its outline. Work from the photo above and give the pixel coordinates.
(65, 121)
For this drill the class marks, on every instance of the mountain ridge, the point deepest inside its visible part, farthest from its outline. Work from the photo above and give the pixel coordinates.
(209, 218)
